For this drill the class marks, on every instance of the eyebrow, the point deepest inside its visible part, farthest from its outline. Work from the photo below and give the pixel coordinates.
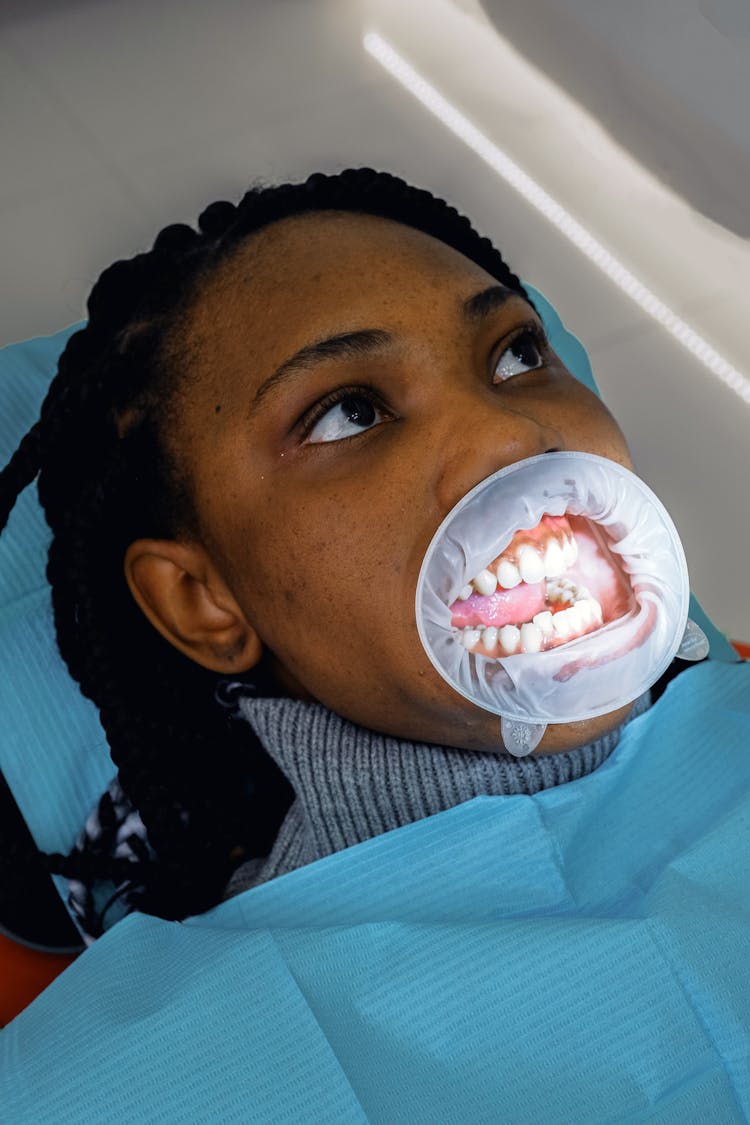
(367, 341)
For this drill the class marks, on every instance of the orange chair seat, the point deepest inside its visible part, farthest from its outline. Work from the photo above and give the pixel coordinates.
(24, 973)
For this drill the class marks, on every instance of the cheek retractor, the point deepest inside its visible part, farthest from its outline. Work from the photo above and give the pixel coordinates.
(555, 591)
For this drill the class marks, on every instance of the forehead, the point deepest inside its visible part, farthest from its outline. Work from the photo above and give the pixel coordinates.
(323, 271)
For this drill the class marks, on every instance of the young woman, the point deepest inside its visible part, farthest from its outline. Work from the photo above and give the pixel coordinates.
(243, 458)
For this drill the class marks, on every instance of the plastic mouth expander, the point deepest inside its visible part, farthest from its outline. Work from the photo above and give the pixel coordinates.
(556, 590)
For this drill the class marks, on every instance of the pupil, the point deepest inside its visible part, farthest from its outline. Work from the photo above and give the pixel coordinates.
(359, 411)
(526, 352)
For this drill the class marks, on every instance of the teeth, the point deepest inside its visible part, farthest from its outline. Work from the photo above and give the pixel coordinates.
(489, 638)
(561, 590)
(575, 621)
(531, 638)
(561, 624)
(508, 575)
(543, 622)
(485, 582)
(530, 565)
(532, 568)
(570, 551)
(583, 605)
(554, 560)
(470, 637)
(509, 637)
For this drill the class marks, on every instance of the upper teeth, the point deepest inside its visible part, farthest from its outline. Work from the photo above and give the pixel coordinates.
(554, 560)
(570, 551)
(507, 575)
(531, 566)
(485, 582)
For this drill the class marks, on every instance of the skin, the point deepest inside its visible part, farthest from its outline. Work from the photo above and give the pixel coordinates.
(312, 549)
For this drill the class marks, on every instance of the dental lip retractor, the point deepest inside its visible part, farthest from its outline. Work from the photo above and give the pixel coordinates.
(631, 557)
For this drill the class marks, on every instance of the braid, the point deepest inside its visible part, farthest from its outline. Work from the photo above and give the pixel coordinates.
(206, 791)
(20, 471)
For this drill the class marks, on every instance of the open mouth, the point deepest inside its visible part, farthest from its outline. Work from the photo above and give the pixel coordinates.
(552, 584)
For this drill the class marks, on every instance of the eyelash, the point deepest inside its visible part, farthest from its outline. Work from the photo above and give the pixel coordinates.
(333, 398)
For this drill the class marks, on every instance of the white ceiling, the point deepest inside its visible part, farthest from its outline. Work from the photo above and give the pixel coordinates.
(670, 79)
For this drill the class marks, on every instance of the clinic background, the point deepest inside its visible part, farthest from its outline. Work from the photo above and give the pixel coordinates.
(118, 117)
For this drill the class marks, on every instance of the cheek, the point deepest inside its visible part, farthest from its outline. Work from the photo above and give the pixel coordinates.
(597, 431)
(315, 568)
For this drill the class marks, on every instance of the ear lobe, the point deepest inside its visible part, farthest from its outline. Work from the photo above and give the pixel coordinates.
(183, 597)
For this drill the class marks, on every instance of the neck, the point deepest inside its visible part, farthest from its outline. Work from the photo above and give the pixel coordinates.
(351, 783)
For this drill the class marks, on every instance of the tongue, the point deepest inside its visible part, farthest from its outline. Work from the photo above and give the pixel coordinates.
(504, 607)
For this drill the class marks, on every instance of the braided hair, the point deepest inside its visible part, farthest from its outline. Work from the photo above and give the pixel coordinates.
(206, 791)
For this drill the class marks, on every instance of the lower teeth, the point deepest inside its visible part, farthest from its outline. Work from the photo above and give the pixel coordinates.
(581, 614)
(562, 590)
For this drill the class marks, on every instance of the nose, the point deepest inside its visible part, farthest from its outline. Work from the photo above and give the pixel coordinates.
(481, 444)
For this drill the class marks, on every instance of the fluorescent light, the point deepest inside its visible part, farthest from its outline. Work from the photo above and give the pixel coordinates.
(531, 191)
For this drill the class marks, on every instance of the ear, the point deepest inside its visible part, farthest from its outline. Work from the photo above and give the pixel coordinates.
(184, 598)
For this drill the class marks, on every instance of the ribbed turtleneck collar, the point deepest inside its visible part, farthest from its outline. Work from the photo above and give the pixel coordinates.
(351, 783)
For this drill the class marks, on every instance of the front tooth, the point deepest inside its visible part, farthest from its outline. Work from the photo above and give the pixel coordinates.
(554, 560)
(561, 625)
(508, 575)
(466, 592)
(485, 582)
(543, 621)
(570, 551)
(470, 637)
(530, 565)
(531, 638)
(489, 638)
(509, 637)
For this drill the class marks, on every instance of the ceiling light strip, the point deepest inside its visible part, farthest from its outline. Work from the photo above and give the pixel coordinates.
(461, 127)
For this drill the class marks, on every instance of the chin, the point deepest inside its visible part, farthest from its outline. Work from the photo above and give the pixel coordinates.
(559, 737)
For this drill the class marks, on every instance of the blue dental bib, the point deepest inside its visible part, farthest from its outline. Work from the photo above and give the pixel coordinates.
(576, 956)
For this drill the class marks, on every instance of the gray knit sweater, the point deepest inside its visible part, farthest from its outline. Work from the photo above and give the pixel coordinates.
(351, 783)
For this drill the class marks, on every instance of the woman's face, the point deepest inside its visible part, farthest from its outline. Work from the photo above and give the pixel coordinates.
(319, 483)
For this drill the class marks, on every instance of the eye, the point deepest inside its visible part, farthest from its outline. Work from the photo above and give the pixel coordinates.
(522, 354)
(350, 413)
